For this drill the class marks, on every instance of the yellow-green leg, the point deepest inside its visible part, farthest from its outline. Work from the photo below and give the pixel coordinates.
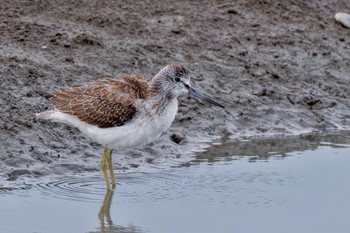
(103, 163)
(110, 167)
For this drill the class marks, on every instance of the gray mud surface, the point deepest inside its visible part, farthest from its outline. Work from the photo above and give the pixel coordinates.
(279, 67)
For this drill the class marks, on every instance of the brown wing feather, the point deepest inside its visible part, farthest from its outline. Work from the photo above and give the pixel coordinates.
(105, 102)
(139, 84)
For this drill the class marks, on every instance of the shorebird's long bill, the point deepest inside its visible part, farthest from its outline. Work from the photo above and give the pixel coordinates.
(202, 96)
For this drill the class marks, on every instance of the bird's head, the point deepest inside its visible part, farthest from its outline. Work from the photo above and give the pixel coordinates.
(174, 80)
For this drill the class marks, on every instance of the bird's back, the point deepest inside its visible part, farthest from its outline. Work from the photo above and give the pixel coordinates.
(103, 103)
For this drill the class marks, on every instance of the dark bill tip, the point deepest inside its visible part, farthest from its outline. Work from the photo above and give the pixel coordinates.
(202, 96)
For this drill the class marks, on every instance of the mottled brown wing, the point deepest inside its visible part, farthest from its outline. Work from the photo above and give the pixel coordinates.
(104, 103)
(127, 89)
(139, 84)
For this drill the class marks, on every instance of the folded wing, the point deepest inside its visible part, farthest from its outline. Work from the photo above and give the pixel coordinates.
(105, 102)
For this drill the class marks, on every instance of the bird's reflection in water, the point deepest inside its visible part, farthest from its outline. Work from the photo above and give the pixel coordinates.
(105, 212)
(106, 222)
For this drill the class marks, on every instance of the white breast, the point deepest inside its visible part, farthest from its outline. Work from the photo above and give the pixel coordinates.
(142, 130)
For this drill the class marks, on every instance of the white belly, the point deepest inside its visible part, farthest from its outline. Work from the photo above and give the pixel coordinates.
(141, 130)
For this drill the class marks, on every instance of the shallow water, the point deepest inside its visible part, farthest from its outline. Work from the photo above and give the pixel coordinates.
(299, 184)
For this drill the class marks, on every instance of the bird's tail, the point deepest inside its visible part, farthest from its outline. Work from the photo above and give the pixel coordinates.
(46, 114)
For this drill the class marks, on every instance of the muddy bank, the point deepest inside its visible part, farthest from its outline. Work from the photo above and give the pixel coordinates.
(279, 68)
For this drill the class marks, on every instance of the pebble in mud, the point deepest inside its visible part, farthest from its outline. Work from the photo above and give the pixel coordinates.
(343, 18)
(86, 39)
(178, 139)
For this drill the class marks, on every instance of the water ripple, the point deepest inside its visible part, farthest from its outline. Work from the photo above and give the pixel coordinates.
(86, 189)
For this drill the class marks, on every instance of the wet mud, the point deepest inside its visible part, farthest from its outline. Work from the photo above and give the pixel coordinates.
(279, 67)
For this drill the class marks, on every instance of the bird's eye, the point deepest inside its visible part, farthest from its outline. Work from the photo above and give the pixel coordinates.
(177, 79)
